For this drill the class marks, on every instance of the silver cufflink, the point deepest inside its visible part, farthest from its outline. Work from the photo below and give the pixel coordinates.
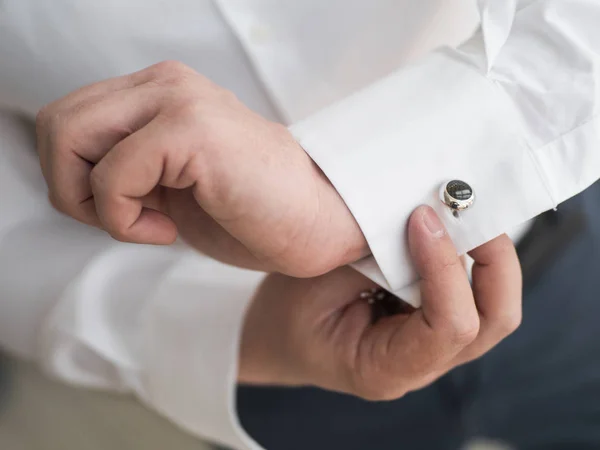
(458, 196)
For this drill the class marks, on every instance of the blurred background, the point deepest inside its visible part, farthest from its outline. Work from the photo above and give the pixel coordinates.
(37, 413)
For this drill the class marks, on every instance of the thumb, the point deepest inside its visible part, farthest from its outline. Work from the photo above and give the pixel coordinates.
(401, 354)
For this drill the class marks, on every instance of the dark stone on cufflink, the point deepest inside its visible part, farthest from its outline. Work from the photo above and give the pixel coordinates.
(459, 190)
(458, 195)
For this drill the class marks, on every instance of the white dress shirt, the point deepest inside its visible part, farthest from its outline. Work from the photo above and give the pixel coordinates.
(514, 111)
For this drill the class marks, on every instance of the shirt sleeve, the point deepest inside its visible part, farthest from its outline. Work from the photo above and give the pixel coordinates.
(162, 323)
(514, 112)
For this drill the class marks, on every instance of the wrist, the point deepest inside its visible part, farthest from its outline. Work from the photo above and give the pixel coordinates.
(266, 356)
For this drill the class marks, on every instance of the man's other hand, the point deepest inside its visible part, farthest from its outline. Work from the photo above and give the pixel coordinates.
(165, 151)
(320, 332)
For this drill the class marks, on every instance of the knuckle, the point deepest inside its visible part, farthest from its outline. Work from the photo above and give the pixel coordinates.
(63, 203)
(190, 108)
(49, 117)
(171, 67)
(63, 134)
(227, 96)
(60, 198)
(378, 391)
(57, 202)
(465, 330)
(118, 230)
(53, 128)
(42, 118)
(171, 72)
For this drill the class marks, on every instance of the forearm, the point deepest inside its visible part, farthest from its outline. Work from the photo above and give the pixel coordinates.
(160, 322)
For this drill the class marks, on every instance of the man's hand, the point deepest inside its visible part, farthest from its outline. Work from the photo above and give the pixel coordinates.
(319, 332)
(165, 150)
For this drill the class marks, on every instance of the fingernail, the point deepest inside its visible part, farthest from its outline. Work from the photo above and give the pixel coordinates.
(433, 223)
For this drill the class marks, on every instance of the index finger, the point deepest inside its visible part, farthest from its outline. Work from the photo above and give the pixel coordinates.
(497, 285)
(412, 350)
(131, 170)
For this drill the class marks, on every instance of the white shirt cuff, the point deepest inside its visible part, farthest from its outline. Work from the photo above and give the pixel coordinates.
(390, 147)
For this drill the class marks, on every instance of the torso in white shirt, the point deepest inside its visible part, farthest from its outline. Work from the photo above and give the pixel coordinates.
(282, 58)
